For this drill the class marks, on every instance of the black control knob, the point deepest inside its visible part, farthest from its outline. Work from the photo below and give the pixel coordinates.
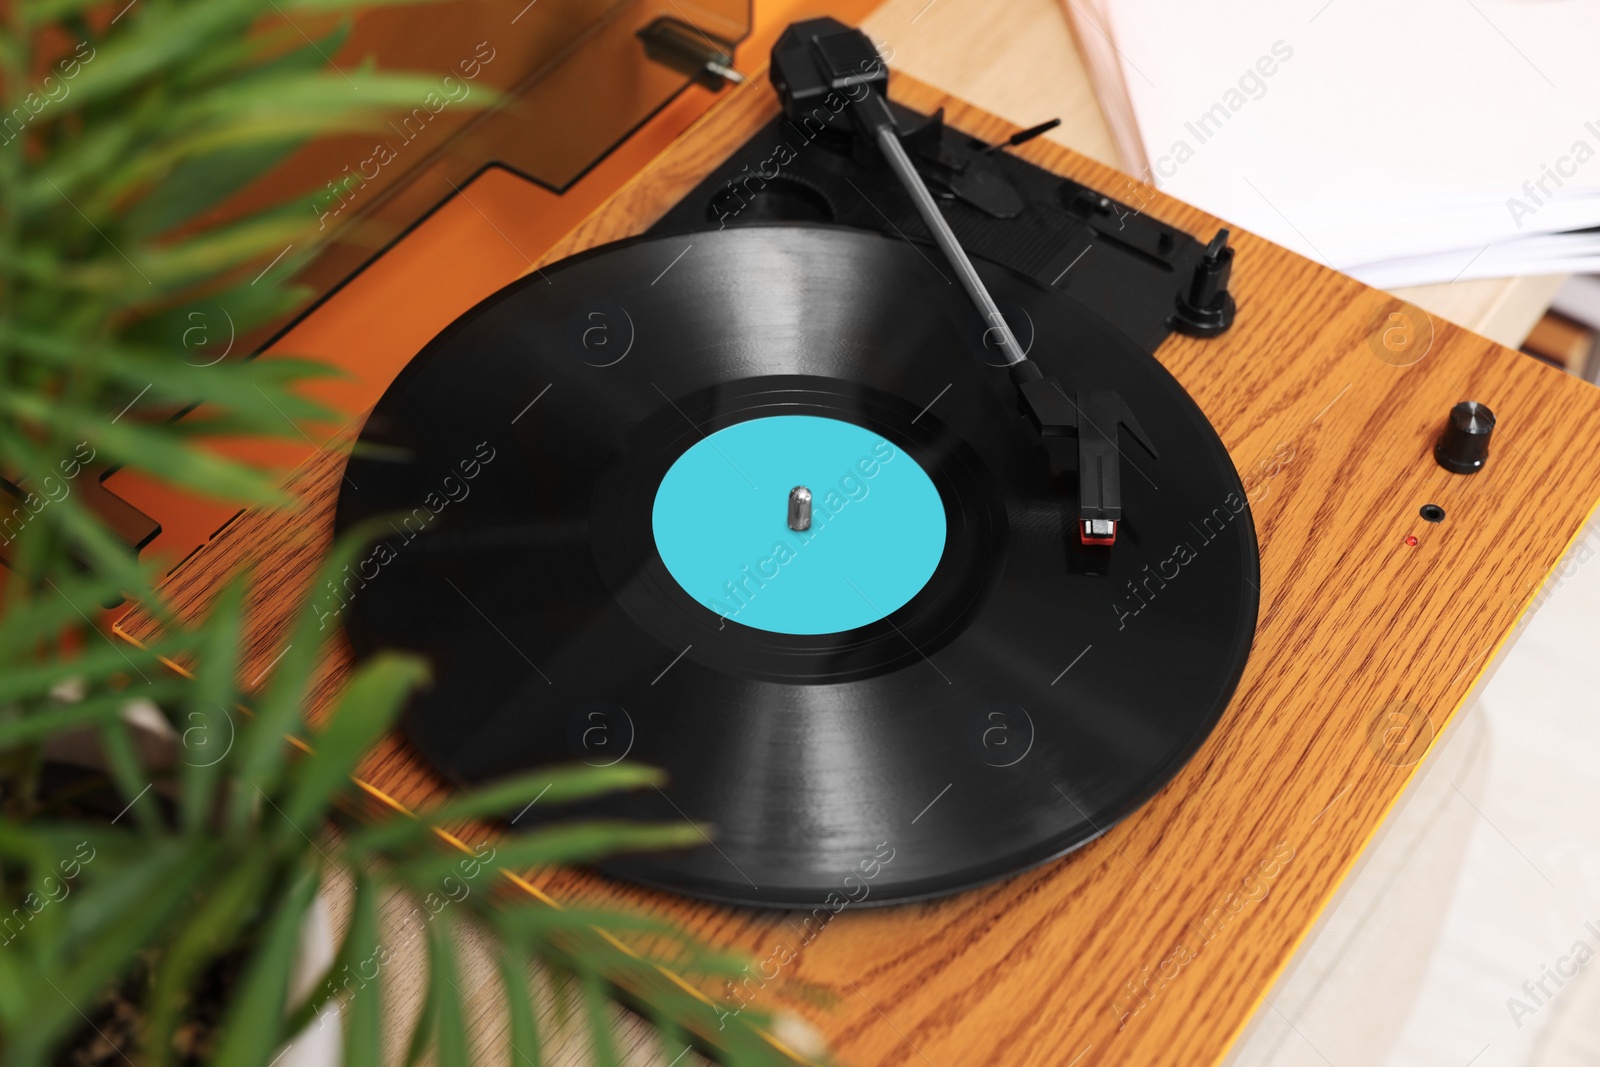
(1464, 445)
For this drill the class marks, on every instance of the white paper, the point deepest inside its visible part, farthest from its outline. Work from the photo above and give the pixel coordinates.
(1387, 138)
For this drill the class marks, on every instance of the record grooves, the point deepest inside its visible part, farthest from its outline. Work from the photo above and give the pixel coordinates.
(1031, 693)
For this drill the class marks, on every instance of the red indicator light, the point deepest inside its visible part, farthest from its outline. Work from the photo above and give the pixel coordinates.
(1411, 540)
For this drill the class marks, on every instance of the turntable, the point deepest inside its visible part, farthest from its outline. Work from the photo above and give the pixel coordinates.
(882, 483)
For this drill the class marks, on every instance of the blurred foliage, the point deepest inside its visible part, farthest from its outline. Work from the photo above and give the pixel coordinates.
(123, 129)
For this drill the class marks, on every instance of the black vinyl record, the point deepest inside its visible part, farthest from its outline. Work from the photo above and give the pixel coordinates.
(1032, 693)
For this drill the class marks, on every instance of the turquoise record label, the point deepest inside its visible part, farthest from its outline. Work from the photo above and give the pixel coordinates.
(721, 525)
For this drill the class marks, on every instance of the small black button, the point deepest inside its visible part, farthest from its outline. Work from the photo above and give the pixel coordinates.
(1464, 445)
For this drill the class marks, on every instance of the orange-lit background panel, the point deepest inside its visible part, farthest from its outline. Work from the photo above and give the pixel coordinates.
(369, 329)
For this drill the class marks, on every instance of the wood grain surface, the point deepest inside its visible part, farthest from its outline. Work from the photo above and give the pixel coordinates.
(1155, 943)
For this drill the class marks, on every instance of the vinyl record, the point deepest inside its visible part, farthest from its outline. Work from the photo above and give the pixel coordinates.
(935, 686)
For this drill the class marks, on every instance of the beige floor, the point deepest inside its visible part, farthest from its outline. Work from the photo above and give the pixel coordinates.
(1531, 880)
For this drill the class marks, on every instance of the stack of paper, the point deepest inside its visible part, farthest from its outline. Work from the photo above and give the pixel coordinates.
(1401, 141)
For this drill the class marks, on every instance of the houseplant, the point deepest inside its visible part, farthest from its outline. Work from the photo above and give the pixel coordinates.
(180, 889)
